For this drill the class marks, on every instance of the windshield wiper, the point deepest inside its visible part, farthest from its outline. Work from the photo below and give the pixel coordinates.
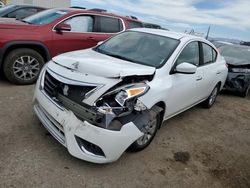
(114, 55)
(24, 21)
(121, 57)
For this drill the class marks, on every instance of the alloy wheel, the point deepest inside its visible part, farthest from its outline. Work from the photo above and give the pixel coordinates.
(26, 67)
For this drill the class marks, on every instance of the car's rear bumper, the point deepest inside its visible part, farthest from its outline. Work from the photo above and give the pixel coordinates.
(68, 130)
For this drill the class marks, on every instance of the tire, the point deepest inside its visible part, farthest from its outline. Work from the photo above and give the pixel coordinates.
(155, 120)
(22, 66)
(209, 102)
(246, 92)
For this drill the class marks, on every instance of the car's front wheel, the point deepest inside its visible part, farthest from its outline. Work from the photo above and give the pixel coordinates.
(149, 130)
(22, 66)
(208, 103)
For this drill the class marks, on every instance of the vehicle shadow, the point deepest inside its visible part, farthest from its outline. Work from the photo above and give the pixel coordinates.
(3, 80)
(230, 93)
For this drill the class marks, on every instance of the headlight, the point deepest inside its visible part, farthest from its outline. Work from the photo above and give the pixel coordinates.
(240, 70)
(41, 77)
(131, 92)
(121, 100)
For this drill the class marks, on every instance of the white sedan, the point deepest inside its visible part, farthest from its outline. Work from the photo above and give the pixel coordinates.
(102, 101)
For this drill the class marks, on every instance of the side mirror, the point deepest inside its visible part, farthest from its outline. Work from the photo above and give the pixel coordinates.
(63, 27)
(186, 68)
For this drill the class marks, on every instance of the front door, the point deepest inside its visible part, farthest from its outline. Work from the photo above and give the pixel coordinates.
(80, 37)
(186, 89)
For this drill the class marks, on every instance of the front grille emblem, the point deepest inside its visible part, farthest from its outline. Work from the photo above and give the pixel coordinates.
(65, 90)
(75, 65)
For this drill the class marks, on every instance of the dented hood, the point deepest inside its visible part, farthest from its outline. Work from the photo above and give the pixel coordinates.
(95, 63)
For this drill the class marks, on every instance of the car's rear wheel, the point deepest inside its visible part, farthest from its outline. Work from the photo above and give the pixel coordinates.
(22, 66)
(246, 92)
(149, 131)
(209, 102)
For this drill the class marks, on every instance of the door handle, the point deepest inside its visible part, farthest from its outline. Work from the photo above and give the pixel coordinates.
(91, 38)
(218, 72)
(198, 78)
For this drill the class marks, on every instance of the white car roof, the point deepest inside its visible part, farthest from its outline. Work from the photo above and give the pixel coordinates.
(165, 33)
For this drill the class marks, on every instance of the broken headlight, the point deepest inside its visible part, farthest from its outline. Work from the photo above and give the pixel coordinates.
(129, 92)
(122, 99)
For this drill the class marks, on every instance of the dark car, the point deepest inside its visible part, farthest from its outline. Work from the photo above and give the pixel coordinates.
(238, 60)
(19, 11)
(150, 25)
(26, 44)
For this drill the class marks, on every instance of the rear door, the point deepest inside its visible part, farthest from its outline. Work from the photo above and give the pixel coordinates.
(107, 26)
(211, 69)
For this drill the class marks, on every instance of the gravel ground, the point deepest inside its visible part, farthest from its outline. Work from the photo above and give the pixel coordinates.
(198, 148)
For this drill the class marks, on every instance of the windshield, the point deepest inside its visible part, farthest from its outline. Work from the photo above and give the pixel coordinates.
(141, 48)
(235, 51)
(3, 9)
(45, 17)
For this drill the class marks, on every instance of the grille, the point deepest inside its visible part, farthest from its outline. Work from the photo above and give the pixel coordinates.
(53, 87)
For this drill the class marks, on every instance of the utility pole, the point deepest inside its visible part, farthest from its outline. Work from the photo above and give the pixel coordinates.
(208, 31)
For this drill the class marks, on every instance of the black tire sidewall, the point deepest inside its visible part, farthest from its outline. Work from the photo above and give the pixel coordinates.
(12, 57)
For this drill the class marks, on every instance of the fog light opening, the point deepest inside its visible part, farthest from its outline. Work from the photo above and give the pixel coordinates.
(89, 148)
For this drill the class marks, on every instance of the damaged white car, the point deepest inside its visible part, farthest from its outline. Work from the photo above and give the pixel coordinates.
(102, 101)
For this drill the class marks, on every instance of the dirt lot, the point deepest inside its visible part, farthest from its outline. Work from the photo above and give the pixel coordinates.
(216, 142)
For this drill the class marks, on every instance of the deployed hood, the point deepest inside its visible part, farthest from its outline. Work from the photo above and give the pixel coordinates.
(236, 61)
(92, 62)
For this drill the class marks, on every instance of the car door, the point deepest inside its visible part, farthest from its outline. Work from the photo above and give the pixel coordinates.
(107, 26)
(211, 68)
(80, 36)
(186, 88)
(86, 31)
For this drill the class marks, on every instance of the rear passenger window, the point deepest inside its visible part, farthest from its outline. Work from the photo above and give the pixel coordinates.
(190, 54)
(209, 54)
(108, 24)
(132, 24)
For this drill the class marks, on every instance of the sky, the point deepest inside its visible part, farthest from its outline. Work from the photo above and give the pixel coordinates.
(227, 18)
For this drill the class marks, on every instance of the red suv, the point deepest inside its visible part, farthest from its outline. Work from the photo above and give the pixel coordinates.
(25, 45)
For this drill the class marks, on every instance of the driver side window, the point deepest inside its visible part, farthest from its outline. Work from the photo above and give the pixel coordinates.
(190, 54)
(81, 24)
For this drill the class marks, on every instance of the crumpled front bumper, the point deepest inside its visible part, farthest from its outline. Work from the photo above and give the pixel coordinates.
(66, 128)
